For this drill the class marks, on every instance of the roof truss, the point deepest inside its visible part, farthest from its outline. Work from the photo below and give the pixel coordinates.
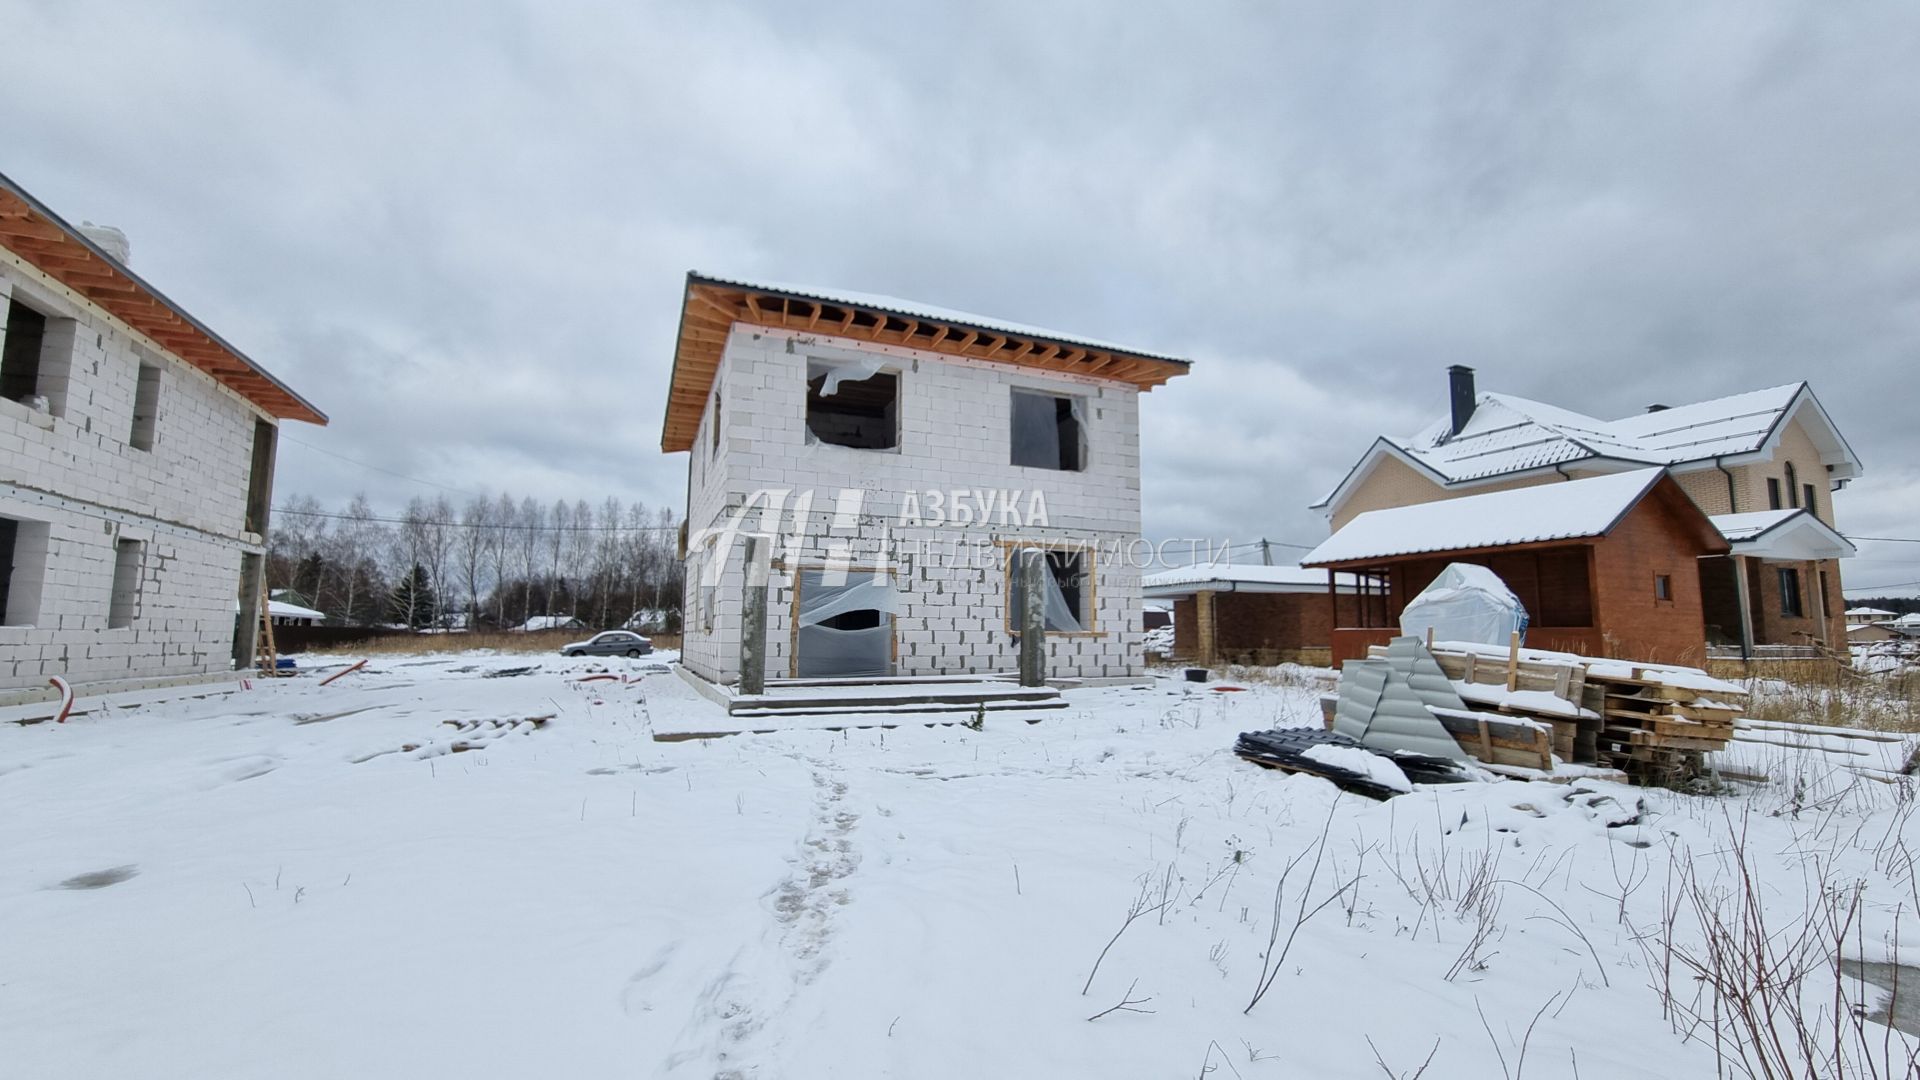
(710, 311)
(37, 236)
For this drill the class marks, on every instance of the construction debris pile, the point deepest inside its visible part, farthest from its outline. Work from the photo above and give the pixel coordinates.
(1513, 708)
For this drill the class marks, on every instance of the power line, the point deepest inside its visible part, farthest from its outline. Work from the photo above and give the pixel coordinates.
(1881, 588)
(1887, 539)
(477, 524)
(379, 469)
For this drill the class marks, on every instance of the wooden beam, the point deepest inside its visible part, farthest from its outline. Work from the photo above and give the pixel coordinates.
(111, 285)
(706, 303)
(22, 226)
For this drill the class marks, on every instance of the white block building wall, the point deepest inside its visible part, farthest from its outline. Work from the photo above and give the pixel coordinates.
(954, 420)
(75, 475)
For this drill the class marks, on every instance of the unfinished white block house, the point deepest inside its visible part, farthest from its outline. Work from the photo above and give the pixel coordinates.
(907, 452)
(136, 468)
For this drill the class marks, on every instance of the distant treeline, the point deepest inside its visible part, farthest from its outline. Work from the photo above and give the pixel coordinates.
(1903, 605)
(488, 562)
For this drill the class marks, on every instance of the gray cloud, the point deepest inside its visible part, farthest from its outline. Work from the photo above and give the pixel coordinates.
(461, 228)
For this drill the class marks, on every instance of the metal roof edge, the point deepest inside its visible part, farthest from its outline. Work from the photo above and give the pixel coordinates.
(695, 277)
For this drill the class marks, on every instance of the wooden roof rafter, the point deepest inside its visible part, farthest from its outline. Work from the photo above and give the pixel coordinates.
(710, 308)
(41, 238)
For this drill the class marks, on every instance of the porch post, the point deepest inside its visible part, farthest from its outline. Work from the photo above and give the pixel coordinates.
(1333, 609)
(1033, 618)
(1746, 607)
(1208, 646)
(753, 619)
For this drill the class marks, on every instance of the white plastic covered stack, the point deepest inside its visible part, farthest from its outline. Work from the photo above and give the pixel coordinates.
(1466, 603)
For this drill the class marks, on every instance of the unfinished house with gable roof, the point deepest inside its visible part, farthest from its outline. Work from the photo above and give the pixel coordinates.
(136, 470)
(896, 455)
(1763, 466)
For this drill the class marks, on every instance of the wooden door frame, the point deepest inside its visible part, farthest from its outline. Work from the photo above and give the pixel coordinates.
(793, 623)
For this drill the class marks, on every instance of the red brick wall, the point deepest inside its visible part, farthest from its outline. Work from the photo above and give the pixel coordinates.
(1635, 624)
(1770, 627)
(1186, 628)
(1262, 628)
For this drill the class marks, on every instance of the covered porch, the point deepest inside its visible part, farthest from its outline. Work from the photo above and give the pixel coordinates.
(1777, 587)
(1605, 566)
(1555, 581)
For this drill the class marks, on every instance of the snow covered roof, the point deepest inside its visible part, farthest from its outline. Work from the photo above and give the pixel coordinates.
(712, 305)
(1226, 577)
(1572, 510)
(1782, 534)
(1508, 435)
(1870, 613)
(551, 622)
(919, 310)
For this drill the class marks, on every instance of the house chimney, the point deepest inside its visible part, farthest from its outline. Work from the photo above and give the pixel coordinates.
(1460, 390)
(1658, 408)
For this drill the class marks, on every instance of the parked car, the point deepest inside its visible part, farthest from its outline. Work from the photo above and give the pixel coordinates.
(609, 643)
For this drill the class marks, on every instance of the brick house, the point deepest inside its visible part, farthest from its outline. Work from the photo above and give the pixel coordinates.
(1251, 614)
(1606, 566)
(894, 455)
(1763, 465)
(136, 467)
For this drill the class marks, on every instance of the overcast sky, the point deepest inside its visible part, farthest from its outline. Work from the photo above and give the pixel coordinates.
(461, 228)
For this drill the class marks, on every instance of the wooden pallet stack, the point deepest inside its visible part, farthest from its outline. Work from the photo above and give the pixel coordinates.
(1658, 721)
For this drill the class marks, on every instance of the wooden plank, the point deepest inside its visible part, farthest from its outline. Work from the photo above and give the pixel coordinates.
(1746, 723)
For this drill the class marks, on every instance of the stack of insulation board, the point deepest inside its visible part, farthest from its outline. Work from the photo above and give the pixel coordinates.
(1651, 720)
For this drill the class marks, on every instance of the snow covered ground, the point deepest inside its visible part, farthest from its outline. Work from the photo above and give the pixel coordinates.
(424, 870)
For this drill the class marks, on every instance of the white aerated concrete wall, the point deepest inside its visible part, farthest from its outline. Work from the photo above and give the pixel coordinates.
(954, 436)
(72, 479)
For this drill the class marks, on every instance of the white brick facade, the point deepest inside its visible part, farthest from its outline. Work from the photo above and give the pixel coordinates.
(77, 488)
(954, 420)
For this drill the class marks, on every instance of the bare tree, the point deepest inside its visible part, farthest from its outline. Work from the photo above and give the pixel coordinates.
(531, 524)
(471, 550)
(408, 550)
(354, 541)
(437, 543)
(500, 549)
(558, 526)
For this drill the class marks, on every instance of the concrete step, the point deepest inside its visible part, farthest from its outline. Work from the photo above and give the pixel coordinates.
(881, 711)
(924, 696)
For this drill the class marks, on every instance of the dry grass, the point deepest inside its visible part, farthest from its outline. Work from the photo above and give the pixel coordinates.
(539, 641)
(1841, 697)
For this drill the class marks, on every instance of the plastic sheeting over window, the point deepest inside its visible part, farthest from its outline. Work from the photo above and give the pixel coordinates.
(1466, 603)
(853, 403)
(1065, 591)
(1049, 431)
(844, 627)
